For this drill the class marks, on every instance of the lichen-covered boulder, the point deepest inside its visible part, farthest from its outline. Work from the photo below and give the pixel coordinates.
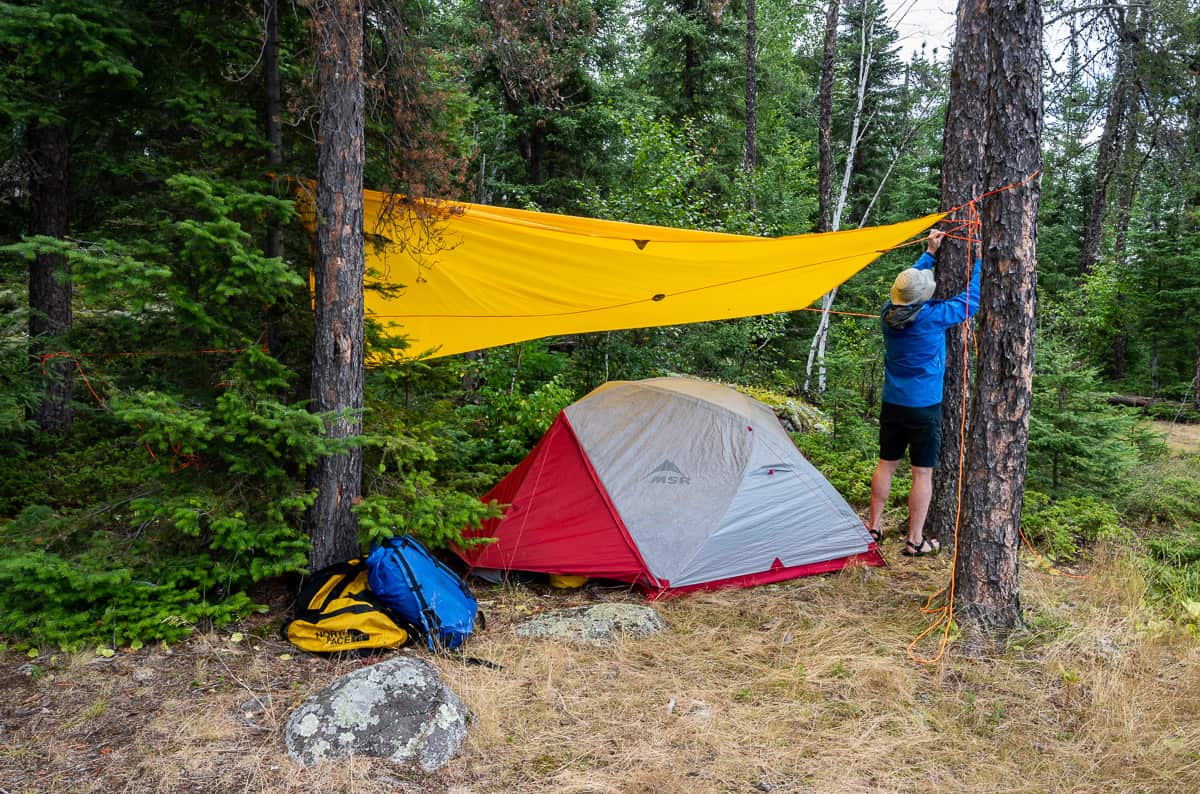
(597, 624)
(398, 709)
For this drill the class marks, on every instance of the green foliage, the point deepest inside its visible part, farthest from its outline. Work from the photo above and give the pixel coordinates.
(848, 469)
(1163, 498)
(17, 394)
(54, 54)
(1166, 493)
(1077, 442)
(511, 422)
(421, 477)
(1173, 568)
(134, 541)
(103, 590)
(1061, 528)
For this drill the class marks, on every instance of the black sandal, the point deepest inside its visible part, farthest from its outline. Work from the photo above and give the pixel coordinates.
(927, 546)
(876, 535)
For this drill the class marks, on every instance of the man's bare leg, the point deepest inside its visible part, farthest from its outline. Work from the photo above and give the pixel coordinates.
(881, 486)
(918, 503)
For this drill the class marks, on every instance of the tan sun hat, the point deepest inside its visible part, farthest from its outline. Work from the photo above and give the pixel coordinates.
(912, 286)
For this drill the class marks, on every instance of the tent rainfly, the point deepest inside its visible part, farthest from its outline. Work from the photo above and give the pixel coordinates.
(453, 277)
(671, 484)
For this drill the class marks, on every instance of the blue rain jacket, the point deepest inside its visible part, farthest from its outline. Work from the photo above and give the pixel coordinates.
(914, 342)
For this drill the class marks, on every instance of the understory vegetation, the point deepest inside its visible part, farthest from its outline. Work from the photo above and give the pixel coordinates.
(801, 686)
(174, 480)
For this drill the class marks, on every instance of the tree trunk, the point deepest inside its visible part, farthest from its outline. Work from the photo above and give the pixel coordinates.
(750, 155)
(338, 305)
(962, 180)
(816, 349)
(691, 57)
(1121, 100)
(825, 100)
(50, 275)
(274, 246)
(273, 127)
(988, 605)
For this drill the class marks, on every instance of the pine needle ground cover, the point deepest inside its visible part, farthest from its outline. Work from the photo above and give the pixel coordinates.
(797, 687)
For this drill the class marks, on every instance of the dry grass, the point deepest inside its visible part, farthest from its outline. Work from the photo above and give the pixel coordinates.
(1182, 439)
(788, 688)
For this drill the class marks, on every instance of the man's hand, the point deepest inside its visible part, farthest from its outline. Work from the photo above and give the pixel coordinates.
(934, 242)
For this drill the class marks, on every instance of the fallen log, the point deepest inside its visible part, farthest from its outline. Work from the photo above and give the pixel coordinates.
(1132, 400)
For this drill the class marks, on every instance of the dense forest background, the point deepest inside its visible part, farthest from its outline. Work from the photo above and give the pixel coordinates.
(156, 438)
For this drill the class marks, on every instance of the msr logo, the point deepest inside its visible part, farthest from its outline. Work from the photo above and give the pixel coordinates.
(667, 473)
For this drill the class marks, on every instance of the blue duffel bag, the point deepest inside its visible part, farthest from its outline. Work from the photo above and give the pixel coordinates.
(423, 591)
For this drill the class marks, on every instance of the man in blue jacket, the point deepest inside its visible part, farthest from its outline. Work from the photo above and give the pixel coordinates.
(914, 341)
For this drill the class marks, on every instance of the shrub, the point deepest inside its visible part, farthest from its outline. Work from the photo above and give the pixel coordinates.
(1165, 493)
(1060, 528)
(848, 470)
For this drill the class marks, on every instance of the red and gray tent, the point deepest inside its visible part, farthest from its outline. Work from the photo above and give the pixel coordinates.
(671, 484)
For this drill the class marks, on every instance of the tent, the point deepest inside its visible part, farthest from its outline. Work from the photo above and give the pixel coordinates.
(454, 277)
(671, 484)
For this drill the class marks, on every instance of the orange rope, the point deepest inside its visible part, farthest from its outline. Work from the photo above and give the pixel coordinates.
(844, 314)
(1050, 569)
(944, 615)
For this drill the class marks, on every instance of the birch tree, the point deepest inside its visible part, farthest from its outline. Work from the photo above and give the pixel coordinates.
(816, 349)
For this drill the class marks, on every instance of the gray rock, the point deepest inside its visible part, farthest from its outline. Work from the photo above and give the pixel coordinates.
(398, 709)
(598, 624)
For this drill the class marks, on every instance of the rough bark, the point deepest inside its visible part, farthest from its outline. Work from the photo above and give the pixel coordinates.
(825, 125)
(1121, 105)
(962, 180)
(274, 247)
(50, 275)
(750, 154)
(338, 276)
(988, 605)
(691, 57)
(274, 132)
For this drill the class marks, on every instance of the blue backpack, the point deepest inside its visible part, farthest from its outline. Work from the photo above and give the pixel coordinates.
(423, 591)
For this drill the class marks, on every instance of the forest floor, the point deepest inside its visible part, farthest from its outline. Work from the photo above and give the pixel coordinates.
(800, 687)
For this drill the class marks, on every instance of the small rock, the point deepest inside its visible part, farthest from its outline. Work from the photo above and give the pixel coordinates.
(254, 706)
(1108, 649)
(598, 624)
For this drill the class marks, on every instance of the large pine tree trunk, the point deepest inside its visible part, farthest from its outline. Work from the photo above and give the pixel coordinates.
(988, 605)
(272, 112)
(338, 343)
(1121, 106)
(691, 11)
(274, 129)
(825, 125)
(962, 180)
(750, 153)
(50, 274)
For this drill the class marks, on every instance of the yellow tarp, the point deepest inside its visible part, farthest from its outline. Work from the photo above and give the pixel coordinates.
(472, 276)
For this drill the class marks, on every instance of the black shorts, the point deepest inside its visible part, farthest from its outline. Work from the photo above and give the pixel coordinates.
(917, 429)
